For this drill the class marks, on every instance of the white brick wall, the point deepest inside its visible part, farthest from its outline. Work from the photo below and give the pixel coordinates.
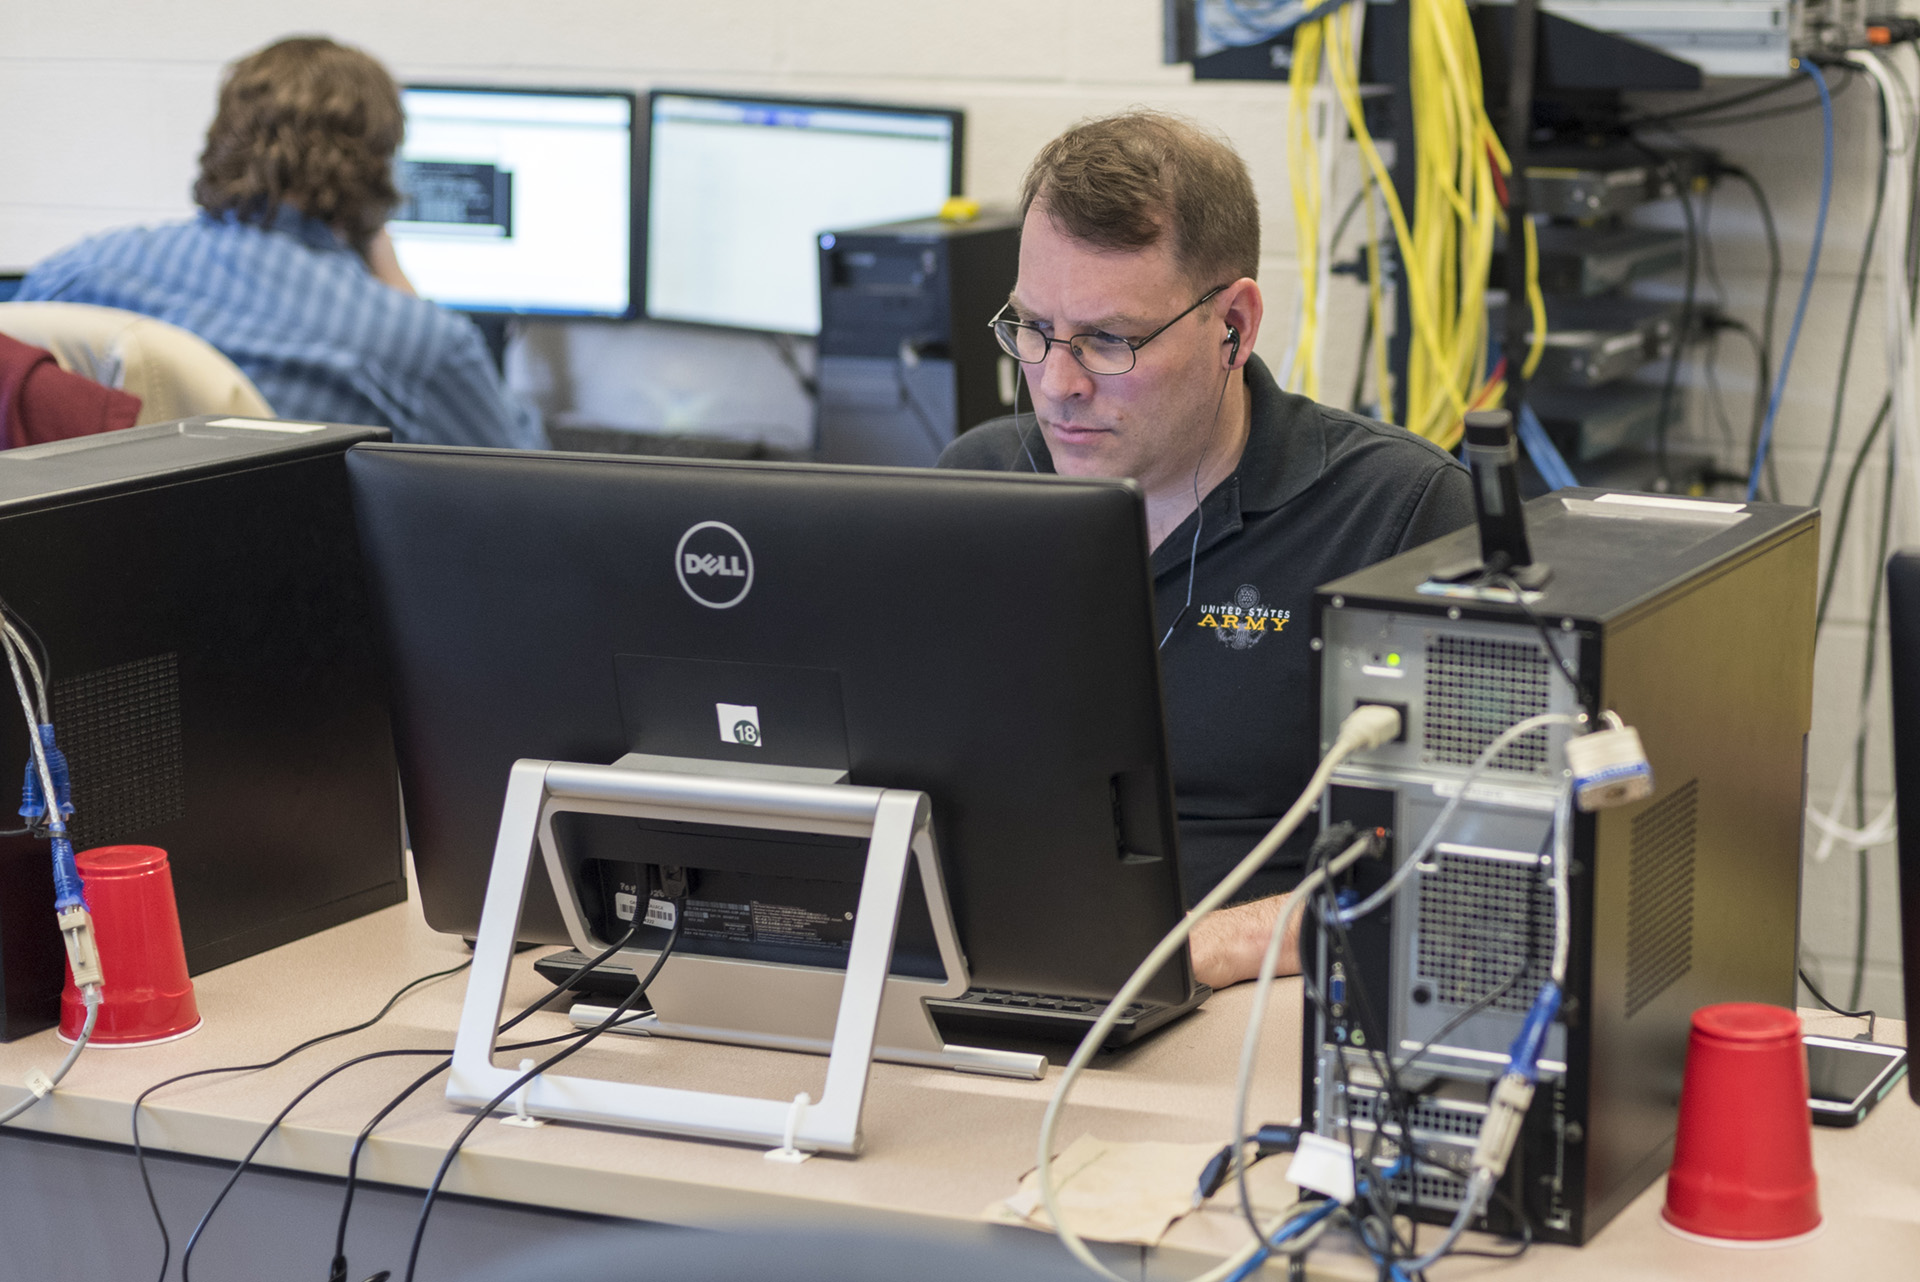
(105, 101)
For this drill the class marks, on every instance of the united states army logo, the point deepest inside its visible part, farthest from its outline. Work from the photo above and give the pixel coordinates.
(1243, 623)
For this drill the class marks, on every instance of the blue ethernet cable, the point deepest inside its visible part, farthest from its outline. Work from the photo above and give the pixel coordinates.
(1806, 286)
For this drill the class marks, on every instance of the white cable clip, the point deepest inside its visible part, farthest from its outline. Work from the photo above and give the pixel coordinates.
(520, 1115)
(40, 1084)
(787, 1152)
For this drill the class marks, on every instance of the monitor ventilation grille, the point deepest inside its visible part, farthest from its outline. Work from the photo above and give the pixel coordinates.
(1482, 921)
(1476, 688)
(120, 730)
(1660, 896)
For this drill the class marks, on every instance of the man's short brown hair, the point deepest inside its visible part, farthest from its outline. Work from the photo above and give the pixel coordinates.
(308, 123)
(1123, 181)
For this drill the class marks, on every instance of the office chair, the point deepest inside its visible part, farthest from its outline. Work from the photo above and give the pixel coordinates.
(175, 373)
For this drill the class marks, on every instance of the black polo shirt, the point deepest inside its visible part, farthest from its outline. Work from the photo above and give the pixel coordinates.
(1319, 493)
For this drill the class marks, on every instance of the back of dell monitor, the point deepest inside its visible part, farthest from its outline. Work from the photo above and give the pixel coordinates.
(985, 639)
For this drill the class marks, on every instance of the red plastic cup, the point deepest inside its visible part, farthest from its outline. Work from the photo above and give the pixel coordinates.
(1743, 1162)
(147, 996)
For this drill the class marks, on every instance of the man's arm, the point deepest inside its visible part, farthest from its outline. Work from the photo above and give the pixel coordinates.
(1227, 944)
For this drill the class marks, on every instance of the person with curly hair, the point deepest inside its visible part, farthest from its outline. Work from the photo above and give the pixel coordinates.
(288, 269)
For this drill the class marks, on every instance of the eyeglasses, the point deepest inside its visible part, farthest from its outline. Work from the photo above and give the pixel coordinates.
(1097, 353)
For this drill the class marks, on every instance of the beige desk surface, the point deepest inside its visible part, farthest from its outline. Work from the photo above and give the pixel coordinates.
(940, 1145)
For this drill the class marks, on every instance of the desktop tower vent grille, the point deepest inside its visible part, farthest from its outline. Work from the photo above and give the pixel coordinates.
(1660, 896)
(1482, 921)
(1436, 1189)
(120, 729)
(1476, 688)
(1364, 1110)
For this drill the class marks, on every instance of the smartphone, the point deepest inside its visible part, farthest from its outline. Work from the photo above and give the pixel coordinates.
(1845, 1079)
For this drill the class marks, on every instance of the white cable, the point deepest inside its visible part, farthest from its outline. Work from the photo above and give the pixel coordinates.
(1479, 1187)
(1366, 727)
(1408, 867)
(1562, 898)
(1263, 986)
(1879, 832)
(33, 665)
(91, 996)
(33, 729)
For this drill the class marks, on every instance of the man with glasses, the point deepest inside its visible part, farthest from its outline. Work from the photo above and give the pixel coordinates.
(1134, 318)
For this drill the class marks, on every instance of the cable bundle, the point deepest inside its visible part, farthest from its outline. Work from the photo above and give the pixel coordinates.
(1459, 170)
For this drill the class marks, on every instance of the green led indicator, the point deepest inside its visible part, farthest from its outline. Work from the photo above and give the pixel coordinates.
(1393, 660)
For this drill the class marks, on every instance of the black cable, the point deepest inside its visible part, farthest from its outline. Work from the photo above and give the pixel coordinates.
(783, 344)
(193, 1238)
(1526, 958)
(1360, 365)
(1853, 319)
(1663, 424)
(1392, 1094)
(1846, 512)
(1338, 837)
(1821, 997)
(1716, 399)
(1719, 104)
(908, 399)
(139, 1153)
(360, 1141)
(1861, 867)
(1695, 121)
(626, 1005)
(1769, 311)
(1763, 381)
(1580, 692)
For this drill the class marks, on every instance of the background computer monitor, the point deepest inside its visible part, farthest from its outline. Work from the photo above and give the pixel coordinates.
(739, 188)
(518, 201)
(985, 639)
(1903, 623)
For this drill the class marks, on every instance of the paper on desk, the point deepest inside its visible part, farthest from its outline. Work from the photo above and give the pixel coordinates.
(1111, 1191)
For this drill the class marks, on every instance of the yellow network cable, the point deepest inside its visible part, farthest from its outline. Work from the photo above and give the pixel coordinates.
(1458, 214)
(1303, 164)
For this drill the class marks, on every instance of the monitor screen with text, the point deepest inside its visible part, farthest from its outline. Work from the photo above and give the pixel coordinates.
(517, 201)
(739, 190)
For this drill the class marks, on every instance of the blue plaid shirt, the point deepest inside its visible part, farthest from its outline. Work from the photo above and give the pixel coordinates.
(303, 317)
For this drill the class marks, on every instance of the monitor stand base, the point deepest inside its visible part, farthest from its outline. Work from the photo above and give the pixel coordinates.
(764, 1003)
(962, 1059)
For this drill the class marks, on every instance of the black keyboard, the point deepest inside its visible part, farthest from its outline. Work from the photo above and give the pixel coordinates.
(978, 1013)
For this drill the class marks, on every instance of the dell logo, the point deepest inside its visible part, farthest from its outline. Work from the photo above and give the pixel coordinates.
(714, 565)
(725, 566)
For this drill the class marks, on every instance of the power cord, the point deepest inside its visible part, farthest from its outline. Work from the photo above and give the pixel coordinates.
(139, 1152)
(338, 1271)
(619, 1012)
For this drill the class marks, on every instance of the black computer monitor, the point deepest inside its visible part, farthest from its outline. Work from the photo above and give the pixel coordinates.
(518, 201)
(1903, 624)
(986, 639)
(739, 188)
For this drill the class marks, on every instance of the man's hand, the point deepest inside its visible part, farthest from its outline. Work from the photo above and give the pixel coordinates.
(385, 264)
(1227, 945)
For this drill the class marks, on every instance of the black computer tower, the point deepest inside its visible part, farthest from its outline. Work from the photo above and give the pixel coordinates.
(1692, 620)
(906, 359)
(215, 684)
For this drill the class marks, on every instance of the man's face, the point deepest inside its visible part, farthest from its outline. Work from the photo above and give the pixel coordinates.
(1151, 423)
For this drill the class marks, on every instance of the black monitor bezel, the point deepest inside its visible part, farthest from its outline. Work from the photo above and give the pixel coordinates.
(643, 187)
(636, 239)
